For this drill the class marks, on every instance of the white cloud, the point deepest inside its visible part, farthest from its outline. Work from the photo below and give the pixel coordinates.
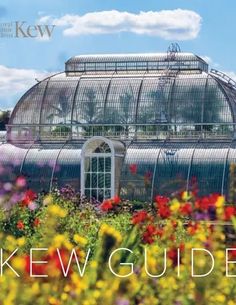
(14, 82)
(168, 24)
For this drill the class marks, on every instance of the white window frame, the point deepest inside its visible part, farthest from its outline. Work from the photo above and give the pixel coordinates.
(85, 153)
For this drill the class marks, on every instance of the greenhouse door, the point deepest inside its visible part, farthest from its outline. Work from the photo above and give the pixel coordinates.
(98, 170)
(98, 177)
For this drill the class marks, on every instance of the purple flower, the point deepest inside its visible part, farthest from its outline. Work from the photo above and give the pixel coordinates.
(212, 213)
(201, 216)
(7, 186)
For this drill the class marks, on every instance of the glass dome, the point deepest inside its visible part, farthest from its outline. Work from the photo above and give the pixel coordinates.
(168, 97)
(128, 124)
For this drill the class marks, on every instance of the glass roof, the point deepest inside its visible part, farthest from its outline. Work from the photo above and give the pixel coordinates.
(163, 102)
(129, 62)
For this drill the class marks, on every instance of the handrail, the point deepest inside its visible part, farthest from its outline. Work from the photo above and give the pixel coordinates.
(224, 77)
(117, 124)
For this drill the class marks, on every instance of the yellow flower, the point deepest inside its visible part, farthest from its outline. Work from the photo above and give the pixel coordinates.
(186, 196)
(219, 211)
(231, 302)
(35, 288)
(67, 288)
(53, 301)
(18, 263)
(96, 294)
(68, 245)
(201, 235)
(64, 296)
(100, 284)
(220, 254)
(80, 240)
(47, 200)
(55, 210)
(175, 205)
(21, 241)
(220, 298)
(220, 202)
(94, 264)
(109, 230)
(59, 240)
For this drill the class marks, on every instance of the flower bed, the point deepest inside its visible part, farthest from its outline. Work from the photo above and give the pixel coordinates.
(69, 251)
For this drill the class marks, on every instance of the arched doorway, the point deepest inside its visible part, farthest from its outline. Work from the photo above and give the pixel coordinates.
(100, 167)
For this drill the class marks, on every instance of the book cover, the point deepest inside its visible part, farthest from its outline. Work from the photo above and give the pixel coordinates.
(117, 152)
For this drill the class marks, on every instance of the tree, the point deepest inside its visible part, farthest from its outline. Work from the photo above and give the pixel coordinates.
(4, 118)
(62, 109)
(122, 114)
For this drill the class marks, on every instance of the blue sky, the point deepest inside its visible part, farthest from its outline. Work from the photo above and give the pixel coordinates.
(24, 59)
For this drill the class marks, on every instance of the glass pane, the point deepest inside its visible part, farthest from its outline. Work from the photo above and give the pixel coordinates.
(87, 180)
(94, 164)
(86, 164)
(87, 193)
(107, 193)
(94, 180)
(101, 164)
(108, 165)
(94, 193)
(100, 196)
(108, 180)
(101, 180)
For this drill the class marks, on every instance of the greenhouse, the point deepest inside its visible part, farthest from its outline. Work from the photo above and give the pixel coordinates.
(135, 125)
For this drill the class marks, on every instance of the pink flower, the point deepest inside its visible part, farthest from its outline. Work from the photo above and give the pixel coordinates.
(21, 181)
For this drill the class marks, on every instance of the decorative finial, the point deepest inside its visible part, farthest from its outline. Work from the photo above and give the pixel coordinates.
(173, 49)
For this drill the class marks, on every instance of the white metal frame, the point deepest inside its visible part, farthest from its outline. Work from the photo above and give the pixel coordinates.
(85, 153)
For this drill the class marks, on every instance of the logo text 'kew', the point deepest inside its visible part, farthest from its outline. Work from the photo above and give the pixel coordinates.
(23, 30)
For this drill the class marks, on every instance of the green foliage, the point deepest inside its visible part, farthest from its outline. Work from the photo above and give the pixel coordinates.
(84, 220)
(61, 130)
(4, 119)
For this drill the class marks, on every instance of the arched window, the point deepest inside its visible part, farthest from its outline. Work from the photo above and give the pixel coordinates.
(98, 168)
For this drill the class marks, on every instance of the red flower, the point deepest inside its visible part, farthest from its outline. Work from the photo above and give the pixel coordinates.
(55, 260)
(192, 228)
(149, 234)
(229, 213)
(106, 205)
(29, 196)
(139, 217)
(133, 168)
(20, 225)
(164, 212)
(37, 269)
(159, 232)
(36, 222)
(174, 224)
(161, 201)
(206, 202)
(172, 254)
(186, 209)
(232, 252)
(116, 200)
